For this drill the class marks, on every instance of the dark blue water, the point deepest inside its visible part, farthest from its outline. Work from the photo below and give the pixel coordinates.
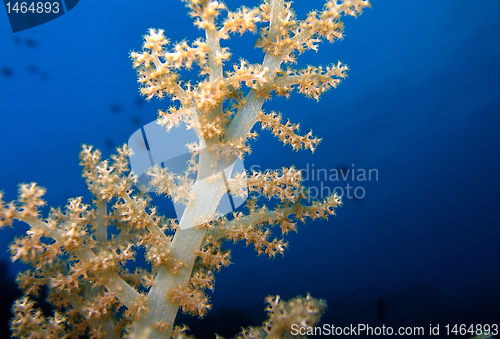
(415, 244)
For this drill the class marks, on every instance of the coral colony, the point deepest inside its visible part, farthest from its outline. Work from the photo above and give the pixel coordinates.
(79, 253)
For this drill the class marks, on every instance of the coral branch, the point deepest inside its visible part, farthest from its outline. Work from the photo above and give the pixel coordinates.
(81, 253)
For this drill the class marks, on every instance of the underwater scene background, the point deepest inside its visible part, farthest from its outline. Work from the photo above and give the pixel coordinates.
(411, 138)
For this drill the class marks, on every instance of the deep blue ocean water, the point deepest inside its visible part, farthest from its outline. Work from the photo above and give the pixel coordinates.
(417, 245)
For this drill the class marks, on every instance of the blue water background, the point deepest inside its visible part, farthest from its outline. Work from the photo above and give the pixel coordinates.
(421, 107)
